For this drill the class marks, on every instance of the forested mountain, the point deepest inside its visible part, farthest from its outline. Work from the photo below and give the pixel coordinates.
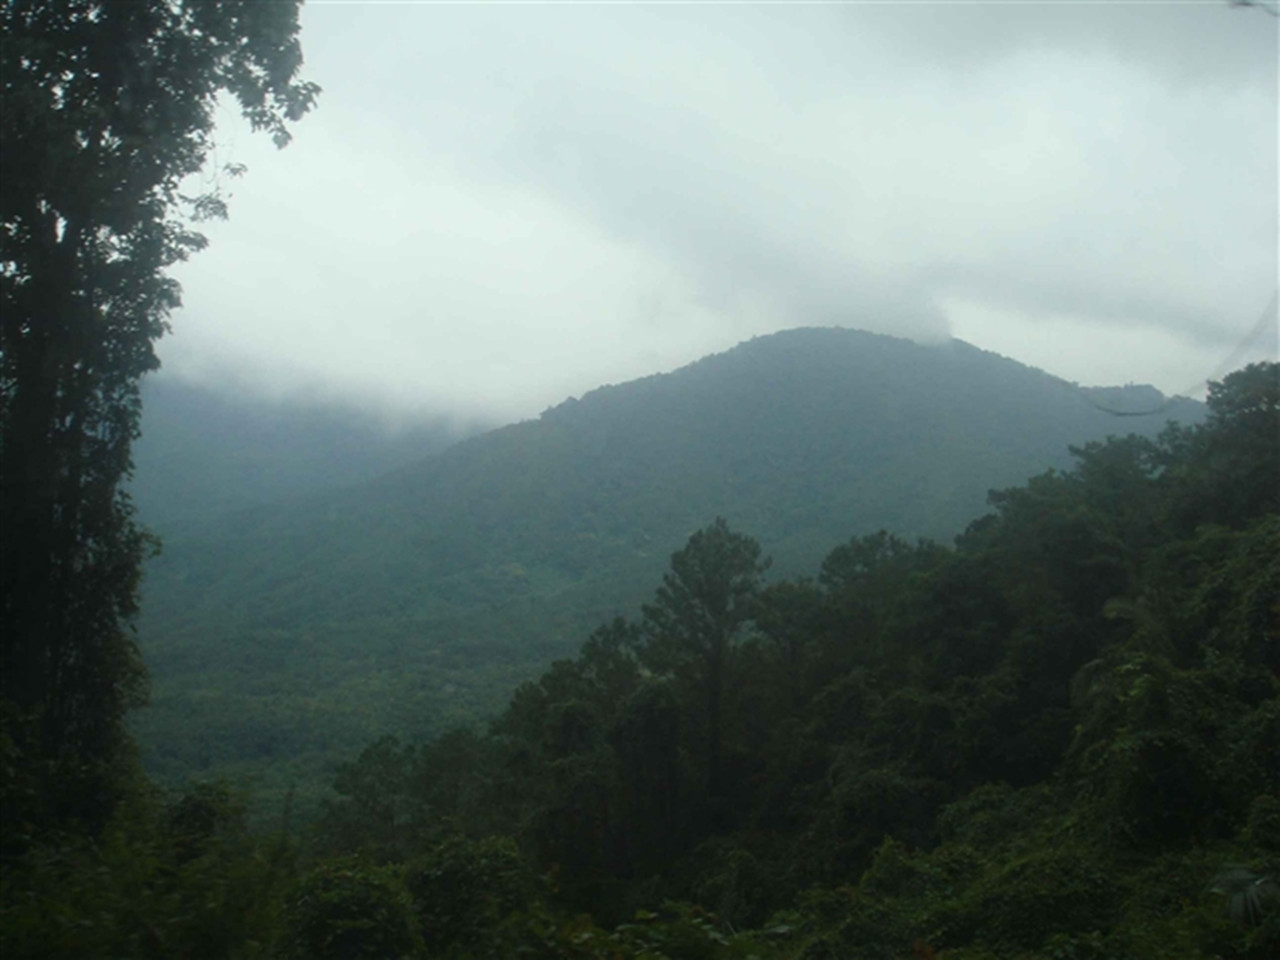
(1054, 740)
(286, 634)
(1057, 739)
(205, 451)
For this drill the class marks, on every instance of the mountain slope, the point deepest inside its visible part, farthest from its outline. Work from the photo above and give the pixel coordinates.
(416, 599)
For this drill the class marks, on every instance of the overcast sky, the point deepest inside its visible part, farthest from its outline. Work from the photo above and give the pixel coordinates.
(497, 206)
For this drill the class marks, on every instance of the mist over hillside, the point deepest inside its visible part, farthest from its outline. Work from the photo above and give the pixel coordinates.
(287, 634)
(207, 451)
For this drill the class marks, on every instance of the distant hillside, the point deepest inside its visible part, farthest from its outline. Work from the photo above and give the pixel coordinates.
(205, 452)
(286, 634)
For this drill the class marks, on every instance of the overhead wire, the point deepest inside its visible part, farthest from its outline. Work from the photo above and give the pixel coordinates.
(1268, 318)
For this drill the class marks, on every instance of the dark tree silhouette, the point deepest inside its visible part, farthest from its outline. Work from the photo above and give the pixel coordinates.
(108, 106)
(696, 615)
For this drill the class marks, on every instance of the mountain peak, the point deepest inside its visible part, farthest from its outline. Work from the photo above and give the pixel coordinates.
(521, 540)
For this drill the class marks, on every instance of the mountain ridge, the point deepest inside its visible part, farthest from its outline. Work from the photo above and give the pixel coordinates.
(508, 547)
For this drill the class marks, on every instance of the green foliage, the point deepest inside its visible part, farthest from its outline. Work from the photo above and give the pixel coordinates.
(1153, 779)
(348, 908)
(692, 625)
(863, 806)
(375, 811)
(1233, 463)
(992, 815)
(1021, 903)
(680, 931)
(709, 593)
(464, 894)
(160, 880)
(734, 883)
(108, 109)
(1262, 829)
(674, 932)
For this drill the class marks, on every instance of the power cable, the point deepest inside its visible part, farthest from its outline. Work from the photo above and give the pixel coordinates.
(1267, 319)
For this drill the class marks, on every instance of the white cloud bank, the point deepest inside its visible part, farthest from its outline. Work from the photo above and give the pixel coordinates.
(495, 207)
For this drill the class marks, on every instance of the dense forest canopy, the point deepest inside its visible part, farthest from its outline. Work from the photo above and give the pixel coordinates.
(1056, 738)
(283, 637)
